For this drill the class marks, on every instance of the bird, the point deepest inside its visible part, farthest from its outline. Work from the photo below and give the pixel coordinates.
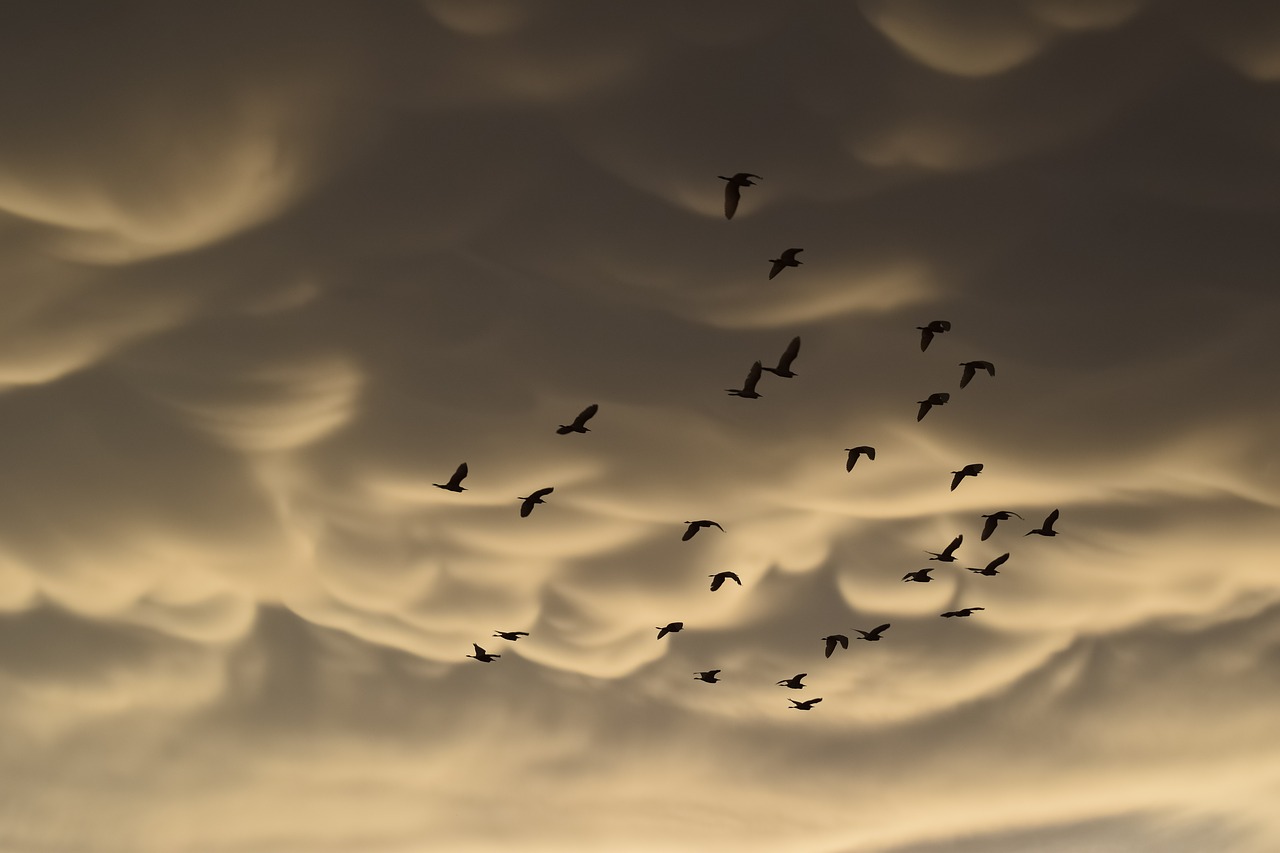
(1046, 529)
(918, 576)
(482, 656)
(939, 399)
(511, 635)
(718, 579)
(972, 367)
(695, 526)
(946, 555)
(855, 452)
(794, 681)
(936, 327)
(995, 518)
(579, 423)
(874, 634)
(964, 611)
(971, 470)
(455, 482)
(787, 259)
(534, 498)
(748, 388)
(669, 628)
(806, 705)
(992, 567)
(836, 640)
(709, 676)
(733, 190)
(784, 363)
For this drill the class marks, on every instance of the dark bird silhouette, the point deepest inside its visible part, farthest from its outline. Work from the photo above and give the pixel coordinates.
(939, 399)
(709, 676)
(784, 363)
(534, 498)
(936, 327)
(794, 681)
(669, 628)
(1046, 529)
(718, 579)
(511, 635)
(874, 634)
(806, 705)
(483, 656)
(733, 190)
(964, 611)
(580, 422)
(695, 526)
(918, 576)
(855, 452)
(971, 470)
(947, 553)
(787, 259)
(995, 518)
(455, 482)
(836, 640)
(992, 567)
(748, 388)
(972, 367)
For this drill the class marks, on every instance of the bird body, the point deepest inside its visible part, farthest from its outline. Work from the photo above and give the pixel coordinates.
(455, 482)
(995, 518)
(971, 369)
(946, 555)
(935, 327)
(718, 579)
(835, 640)
(874, 634)
(787, 259)
(579, 423)
(856, 452)
(806, 705)
(991, 568)
(709, 676)
(534, 498)
(964, 611)
(784, 363)
(511, 635)
(748, 388)
(971, 470)
(482, 656)
(918, 576)
(1046, 529)
(794, 681)
(669, 628)
(733, 190)
(939, 399)
(695, 526)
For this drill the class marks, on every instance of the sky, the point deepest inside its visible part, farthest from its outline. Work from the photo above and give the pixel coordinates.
(269, 271)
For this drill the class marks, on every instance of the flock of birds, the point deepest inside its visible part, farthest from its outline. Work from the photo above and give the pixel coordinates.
(732, 197)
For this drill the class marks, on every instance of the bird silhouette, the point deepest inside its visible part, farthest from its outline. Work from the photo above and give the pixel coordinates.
(806, 705)
(533, 498)
(991, 568)
(939, 399)
(718, 579)
(874, 634)
(695, 526)
(748, 388)
(787, 259)
(964, 611)
(972, 367)
(580, 422)
(971, 470)
(995, 518)
(918, 576)
(855, 452)
(511, 635)
(455, 482)
(936, 327)
(733, 190)
(835, 640)
(794, 681)
(946, 555)
(669, 628)
(482, 656)
(784, 363)
(709, 676)
(1046, 529)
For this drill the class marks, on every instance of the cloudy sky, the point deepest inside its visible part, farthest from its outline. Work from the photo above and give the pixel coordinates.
(270, 270)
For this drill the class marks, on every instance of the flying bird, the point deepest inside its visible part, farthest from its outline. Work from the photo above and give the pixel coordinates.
(918, 576)
(511, 635)
(794, 681)
(836, 640)
(709, 676)
(971, 470)
(995, 518)
(971, 369)
(534, 498)
(855, 452)
(784, 363)
(718, 579)
(946, 555)
(580, 422)
(1046, 529)
(787, 259)
(748, 388)
(669, 628)
(939, 399)
(483, 656)
(991, 568)
(964, 611)
(874, 634)
(695, 526)
(455, 482)
(733, 190)
(806, 705)
(936, 327)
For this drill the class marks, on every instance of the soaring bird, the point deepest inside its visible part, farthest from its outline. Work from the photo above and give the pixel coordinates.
(511, 635)
(695, 526)
(669, 628)
(455, 482)
(483, 656)
(946, 555)
(806, 705)
(935, 327)
(964, 611)
(972, 367)
(718, 579)
(874, 634)
(733, 190)
(794, 681)
(836, 640)
(939, 399)
(995, 518)
(973, 469)
(784, 363)
(787, 259)
(709, 676)
(748, 388)
(1046, 529)
(580, 422)
(854, 452)
(991, 568)
(534, 498)
(918, 576)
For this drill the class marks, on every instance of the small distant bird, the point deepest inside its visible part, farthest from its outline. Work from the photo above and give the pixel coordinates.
(718, 579)
(534, 498)
(733, 190)
(939, 399)
(784, 363)
(748, 388)
(936, 327)
(695, 526)
(794, 681)
(964, 611)
(709, 676)
(1046, 529)
(806, 705)
(669, 628)
(787, 259)
(580, 422)
(483, 656)
(947, 553)
(836, 640)
(874, 634)
(995, 518)
(918, 576)
(511, 635)
(855, 452)
(992, 567)
(455, 482)
(972, 367)
(971, 470)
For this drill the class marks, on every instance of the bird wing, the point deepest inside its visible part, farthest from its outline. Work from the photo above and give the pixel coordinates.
(944, 325)
(778, 265)
(870, 451)
(793, 349)
(713, 672)
(689, 533)
(1050, 519)
(989, 527)
(876, 631)
(813, 701)
(998, 561)
(949, 614)
(951, 549)
(790, 254)
(955, 481)
(542, 492)
(731, 196)
(586, 414)
(733, 576)
(717, 581)
(753, 376)
(926, 335)
(967, 375)
(458, 475)
(988, 366)
(852, 460)
(526, 507)
(925, 406)
(479, 651)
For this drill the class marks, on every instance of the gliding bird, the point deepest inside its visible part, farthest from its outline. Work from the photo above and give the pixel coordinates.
(1046, 529)
(579, 423)
(946, 555)
(874, 634)
(855, 452)
(939, 399)
(748, 388)
(786, 259)
(972, 367)
(695, 526)
(709, 676)
(455, 482)
(733, 191)
(794, 681)
(534, 498)
(669, 628)
(784, 363)
(918, 576)
(973, 469)
(511, 635)
(806, 705)
(992, 567)
(718, 579)
(964, 611)
(993, 519)
(482, 656)
(935, 327)
(836, 640)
